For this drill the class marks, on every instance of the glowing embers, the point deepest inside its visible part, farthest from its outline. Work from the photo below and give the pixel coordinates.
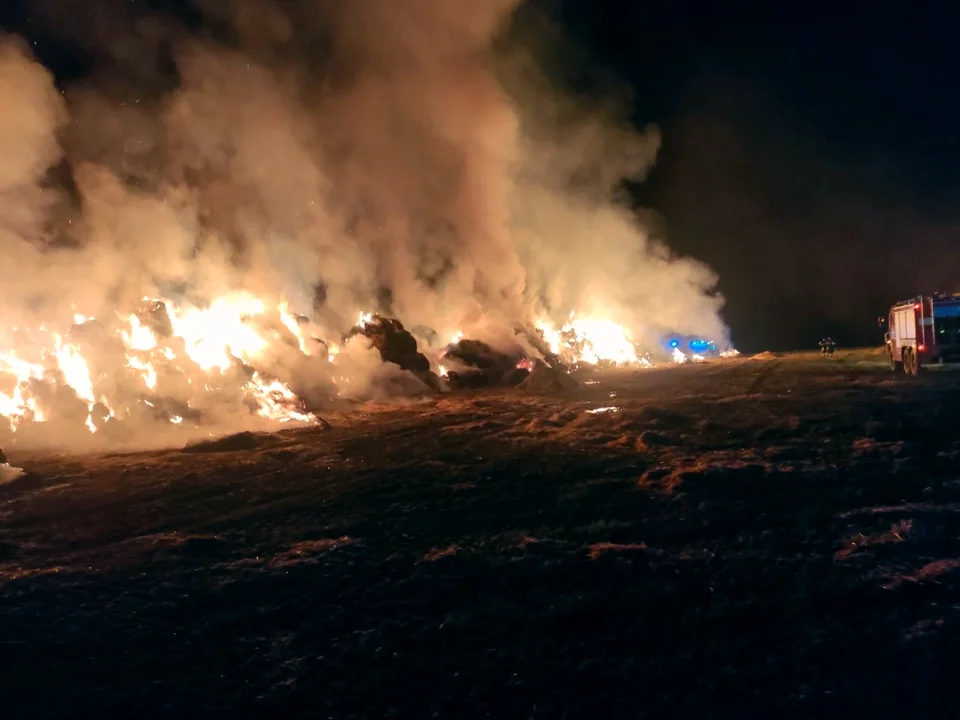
(604, 410)
(275, 401)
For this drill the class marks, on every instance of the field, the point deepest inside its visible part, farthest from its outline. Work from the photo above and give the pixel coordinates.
(750, 538)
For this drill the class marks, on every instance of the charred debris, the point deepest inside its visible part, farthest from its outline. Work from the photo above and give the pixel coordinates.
(467, 363)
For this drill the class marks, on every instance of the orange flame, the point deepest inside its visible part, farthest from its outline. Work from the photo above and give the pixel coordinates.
(213, 339)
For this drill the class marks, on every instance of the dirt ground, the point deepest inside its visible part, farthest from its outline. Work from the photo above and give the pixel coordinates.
(752, 538)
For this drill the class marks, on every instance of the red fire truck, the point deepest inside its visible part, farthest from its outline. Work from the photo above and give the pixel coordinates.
(923, 330)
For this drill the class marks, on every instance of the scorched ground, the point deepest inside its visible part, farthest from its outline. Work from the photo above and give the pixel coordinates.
(747, 538)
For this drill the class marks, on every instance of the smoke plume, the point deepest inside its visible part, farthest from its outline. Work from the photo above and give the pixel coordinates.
(341, 156)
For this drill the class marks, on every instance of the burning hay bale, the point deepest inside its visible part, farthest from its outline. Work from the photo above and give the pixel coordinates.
(170, 363)
(155, 367)
(545, 379)
(395, 343)
(479, 355)
(398, 346)
(536, 338)
(481, 365)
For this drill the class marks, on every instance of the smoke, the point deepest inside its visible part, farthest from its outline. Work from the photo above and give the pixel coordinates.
(364, 376)
(341, 156)
(584, 247)
(33, 113)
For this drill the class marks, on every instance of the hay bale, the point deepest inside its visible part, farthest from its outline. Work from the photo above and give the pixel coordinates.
(480, 365)
(537, 340)
(395, 344)
(544, 379)
(478, 354)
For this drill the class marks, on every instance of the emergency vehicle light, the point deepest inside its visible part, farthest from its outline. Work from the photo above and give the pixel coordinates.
(921, 348)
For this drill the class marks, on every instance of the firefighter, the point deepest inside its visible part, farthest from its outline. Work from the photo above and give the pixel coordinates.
(827, 346)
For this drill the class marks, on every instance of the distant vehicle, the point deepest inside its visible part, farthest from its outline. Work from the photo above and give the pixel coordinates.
(690, 343)
(923, 330)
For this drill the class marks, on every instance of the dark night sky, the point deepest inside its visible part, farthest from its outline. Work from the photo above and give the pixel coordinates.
(809, 155)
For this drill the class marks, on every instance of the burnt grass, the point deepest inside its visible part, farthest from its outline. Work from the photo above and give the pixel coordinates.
(745, 539)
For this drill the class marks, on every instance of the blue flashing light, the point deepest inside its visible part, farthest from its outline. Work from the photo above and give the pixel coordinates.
(699, 345)
(674, 343)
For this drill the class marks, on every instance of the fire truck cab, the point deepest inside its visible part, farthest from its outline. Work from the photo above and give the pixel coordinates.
(923, 330)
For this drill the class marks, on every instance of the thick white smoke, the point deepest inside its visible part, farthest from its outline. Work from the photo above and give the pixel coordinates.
(367, 148)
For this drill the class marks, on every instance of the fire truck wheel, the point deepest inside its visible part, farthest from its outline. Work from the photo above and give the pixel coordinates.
(911, 363)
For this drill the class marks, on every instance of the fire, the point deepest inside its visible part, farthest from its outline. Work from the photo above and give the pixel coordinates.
(291, 324)
(605, 340)
(218, 335)
(595, 340)
(16, 406)
(170, 359)
(18, 402)
(592, 340)
(211, 341)
(76, 374)
(274, 401)
(138, 337)
(147, 372)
